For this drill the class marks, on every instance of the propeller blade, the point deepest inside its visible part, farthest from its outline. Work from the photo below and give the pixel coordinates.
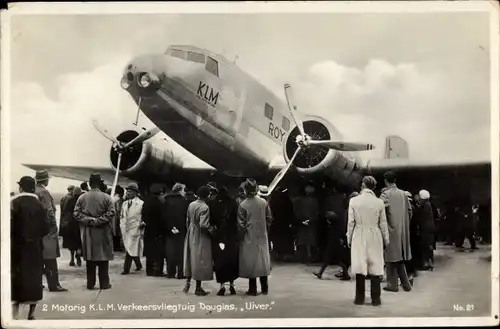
(104, 132)
(143, 137)
(115, 181)
(290, 99)
(281, 174)
(342, 146)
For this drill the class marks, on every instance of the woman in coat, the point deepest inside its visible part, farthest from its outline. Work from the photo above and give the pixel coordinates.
(70, 229)
(425, 218)
(254, 218)
(28, 225)
(223, 215)
(198, 261)
(367, 234)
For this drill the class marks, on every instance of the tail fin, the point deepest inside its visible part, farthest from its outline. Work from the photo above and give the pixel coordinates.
(396, 148)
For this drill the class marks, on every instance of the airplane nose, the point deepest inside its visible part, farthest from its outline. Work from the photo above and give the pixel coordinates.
(140, 73)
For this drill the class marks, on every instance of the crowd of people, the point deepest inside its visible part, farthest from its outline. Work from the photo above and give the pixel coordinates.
(190, 236)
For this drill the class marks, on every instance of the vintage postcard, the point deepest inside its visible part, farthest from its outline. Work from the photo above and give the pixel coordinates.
(250, 164)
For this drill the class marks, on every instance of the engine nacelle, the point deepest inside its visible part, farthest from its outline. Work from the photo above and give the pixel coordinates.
(317, 159)
(144, 161)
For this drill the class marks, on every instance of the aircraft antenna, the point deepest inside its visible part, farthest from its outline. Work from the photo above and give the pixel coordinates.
(235, 59)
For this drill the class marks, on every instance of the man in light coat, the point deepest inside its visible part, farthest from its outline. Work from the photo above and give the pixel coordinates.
(398, 211)
(132, 228)
(367, 235)
(94, 211)
(51, 249)
(254, 218)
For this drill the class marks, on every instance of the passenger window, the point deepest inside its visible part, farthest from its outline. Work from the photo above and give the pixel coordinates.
(212, 66)
(177, 53)
(195, 57)
(285, 124)
(268, 111)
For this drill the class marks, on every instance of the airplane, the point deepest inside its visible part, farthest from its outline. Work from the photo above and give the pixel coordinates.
(225, 117)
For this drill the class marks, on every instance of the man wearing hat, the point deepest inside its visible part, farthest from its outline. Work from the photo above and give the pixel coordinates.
(28, 225)
(254, 217)
(154, 233)
(132, 228)
(94, 210)
(398, 211)
(174, 218)
(51, 249)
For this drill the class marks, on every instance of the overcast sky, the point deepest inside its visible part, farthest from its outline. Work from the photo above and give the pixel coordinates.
(422, 76)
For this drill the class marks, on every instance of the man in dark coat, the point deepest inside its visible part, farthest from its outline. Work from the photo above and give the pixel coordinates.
(280, 231)
(71, 229)
(306, 209)
(51, 249)
(28, 225)
(94, 210)
(174, 219)
(223, 215)
(466, 225)
(334, 210)
(118, 200)
(154, 233)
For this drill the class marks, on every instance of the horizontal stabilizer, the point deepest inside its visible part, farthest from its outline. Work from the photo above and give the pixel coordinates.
(396, 148)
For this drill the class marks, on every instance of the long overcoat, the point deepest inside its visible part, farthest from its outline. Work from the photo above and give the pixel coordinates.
(28, 226)
(254, 218)
(198, 261)
(223, 215)
(367, 233)
(130, 226)
(154, 233)
(51, 239)
(425, 217)
(69, 226)
(174, 215)
(398, 211)
(306, 208)
(97, 234)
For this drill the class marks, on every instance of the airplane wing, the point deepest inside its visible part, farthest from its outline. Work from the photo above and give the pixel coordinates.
(80, 173)
(191, 176)
(447, 180)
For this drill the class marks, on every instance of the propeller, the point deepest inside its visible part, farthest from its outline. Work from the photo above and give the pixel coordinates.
(303, 140)
(122, 147)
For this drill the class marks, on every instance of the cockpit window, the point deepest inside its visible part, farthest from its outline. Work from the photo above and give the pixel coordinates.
(212, 66)
(177, 53)
(195, 57)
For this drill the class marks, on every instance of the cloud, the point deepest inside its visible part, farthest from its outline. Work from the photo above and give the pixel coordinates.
(439, 117)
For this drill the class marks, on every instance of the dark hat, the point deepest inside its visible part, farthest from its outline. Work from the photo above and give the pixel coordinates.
(27, 183)
(203, 192)
(133, 187)
(95, 178)
(41, 175)
(212, 186)
(77, 191)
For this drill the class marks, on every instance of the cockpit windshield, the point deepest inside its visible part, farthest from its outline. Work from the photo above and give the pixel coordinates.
(211, 65)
